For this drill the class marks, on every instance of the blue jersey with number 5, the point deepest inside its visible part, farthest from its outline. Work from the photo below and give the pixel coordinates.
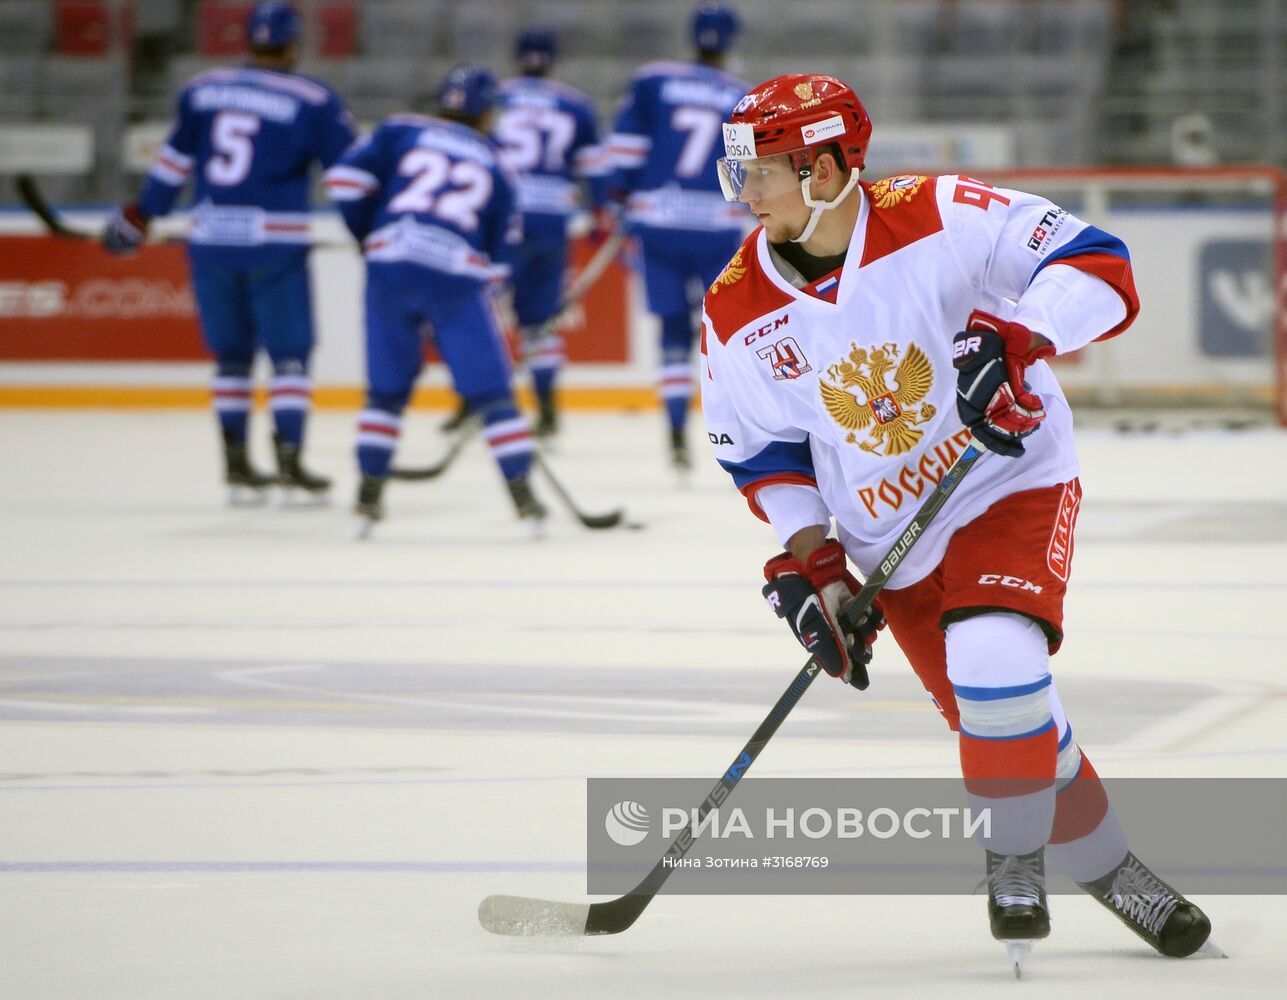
(429, 192)
(549, 138)
(247, 140)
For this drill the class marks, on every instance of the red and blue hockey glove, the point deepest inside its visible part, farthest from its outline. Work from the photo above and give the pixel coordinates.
(992, 399)
(126, 230)
(808, 595)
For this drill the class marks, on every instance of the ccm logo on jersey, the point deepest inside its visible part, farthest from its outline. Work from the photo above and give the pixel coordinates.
(766, 329)
(966, 347)
(990, 579)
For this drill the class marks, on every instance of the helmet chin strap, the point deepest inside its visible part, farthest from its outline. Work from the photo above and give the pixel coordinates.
(821, 206)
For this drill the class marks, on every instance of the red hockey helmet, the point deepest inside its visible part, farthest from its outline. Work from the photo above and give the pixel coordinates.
(798, 114)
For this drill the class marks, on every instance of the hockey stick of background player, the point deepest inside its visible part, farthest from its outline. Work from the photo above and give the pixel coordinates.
(583, 282)
(413, 474)
(594, 521)
(31, 195)
(519, 915)
(598, 522)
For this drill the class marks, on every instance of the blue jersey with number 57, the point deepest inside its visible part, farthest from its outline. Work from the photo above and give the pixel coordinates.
(247, 140)
(549, 138)
(665, 144)
(430, 192)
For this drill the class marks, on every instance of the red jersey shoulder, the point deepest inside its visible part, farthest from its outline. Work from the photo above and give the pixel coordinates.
(742, 292)
(902, 210)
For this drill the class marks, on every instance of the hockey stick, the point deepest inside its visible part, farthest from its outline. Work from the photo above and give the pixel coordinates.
(421, 473)
(520, 915)
(593, 521)
(31, 195)
(583, 282)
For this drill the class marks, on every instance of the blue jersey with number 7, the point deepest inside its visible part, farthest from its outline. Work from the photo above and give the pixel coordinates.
(667, 138)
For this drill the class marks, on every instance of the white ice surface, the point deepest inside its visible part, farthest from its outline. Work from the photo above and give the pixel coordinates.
(244, 755)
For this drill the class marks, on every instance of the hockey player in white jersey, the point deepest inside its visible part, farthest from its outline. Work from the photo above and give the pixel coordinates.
(852, 347)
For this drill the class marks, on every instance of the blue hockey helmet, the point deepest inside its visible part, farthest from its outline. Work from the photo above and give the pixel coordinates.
(272, 26)
(536, 48)
(468, 91)
(714, 27)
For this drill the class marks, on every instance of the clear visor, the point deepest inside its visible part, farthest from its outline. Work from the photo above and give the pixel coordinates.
(755, 180)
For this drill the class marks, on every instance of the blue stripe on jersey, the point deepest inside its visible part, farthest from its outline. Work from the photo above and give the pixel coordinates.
(780, 457)
(1089, 240)
(997, 693)
(1067, 738)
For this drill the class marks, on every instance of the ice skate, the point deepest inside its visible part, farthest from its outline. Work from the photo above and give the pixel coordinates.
(1017, 909)
(368, 507)
(680, 458)
(247, 486)
(293, 477)
(529, 509)
(547, 421)
(1153, 910)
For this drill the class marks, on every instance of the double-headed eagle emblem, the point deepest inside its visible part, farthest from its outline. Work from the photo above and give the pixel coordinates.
(733, 272)
(863, 400)
(895, 190)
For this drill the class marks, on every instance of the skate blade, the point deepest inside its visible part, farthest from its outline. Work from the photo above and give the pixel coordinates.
(365, 526)
(1210, 949)
(301, 499)
(247, 496)
(1017, 953)
(535, 528)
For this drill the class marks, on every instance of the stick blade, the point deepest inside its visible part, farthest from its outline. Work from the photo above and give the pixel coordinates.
(601, 522)
(520, 916)
(415, 475)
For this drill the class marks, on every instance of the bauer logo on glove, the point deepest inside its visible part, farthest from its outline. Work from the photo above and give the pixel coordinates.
(991, 357)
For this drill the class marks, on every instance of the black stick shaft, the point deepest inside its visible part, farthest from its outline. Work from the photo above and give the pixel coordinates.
(616, 915)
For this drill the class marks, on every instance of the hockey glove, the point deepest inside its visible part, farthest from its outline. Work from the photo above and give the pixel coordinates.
(992, 399)
(808, 595)
(126, 231)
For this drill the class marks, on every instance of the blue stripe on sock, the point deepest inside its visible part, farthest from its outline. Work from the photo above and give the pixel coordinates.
(1044, 727)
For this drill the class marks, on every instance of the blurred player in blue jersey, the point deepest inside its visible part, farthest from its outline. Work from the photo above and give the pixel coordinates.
(247, 139)
(664, 148)
(435, 210)
(550, 138)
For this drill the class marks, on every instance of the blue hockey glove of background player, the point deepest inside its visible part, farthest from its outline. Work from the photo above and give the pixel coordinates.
(992, 399)
(808, 595)
(126, 230)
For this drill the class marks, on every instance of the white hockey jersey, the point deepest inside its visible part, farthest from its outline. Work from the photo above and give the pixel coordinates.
(843, 388)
